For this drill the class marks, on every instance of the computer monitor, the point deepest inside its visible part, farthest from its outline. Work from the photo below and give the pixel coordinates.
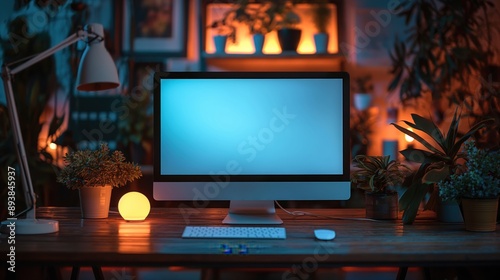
(251, 138)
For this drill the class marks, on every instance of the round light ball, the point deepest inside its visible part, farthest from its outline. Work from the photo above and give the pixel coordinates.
(134, 206)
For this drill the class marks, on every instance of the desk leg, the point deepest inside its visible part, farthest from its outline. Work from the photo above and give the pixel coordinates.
(97, 273)
(209, 273)
(402, 273)
(75, 273)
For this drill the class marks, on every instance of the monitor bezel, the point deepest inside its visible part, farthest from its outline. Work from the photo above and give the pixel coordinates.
(344, 76)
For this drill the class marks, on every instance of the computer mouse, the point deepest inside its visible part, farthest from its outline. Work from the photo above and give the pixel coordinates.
(324, 234)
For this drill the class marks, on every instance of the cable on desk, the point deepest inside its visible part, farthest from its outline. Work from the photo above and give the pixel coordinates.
(305, 213)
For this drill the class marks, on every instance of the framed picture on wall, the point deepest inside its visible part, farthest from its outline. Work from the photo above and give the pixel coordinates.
(155, 28)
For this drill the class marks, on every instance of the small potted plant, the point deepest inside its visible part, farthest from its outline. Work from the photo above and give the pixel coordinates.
(439, 160)
(476, 187)
(286, 24)
(362, 119)
(259, 19)
(362, 88)
(322, 15)
(223, 30)
(94, 173)
(378, 176)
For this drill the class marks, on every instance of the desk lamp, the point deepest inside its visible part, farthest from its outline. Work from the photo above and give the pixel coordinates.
(97, 71)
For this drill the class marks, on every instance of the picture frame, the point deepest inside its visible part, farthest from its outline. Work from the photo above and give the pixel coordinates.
(155, 28)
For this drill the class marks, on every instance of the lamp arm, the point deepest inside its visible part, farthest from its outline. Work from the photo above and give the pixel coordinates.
(7, 75)
(75, 37)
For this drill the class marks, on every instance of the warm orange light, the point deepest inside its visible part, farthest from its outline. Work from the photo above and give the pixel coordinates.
(244, 44)
(134, 206)
(408, 138)
(53, 146)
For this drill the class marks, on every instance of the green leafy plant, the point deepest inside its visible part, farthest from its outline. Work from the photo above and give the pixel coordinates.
(321, 16)
(479, 179)
(89, 168)
(438, 162)
(377, 174)
(485, 104)
(225, 25)
(361, 127)
(259, 17)
(33, 88)
(446, 45)
(285, 15)
(362, 84)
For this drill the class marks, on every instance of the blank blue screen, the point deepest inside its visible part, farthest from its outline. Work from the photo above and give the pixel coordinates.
(255, 126)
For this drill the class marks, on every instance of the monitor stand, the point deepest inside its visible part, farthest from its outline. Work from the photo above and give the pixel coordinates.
(252, 212)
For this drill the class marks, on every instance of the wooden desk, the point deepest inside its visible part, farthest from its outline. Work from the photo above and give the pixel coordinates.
(157, 242)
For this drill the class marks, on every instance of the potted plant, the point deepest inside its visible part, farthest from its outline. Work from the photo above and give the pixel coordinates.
(322, 15)
(224, 30)
(94, 173)
(362, 119)
(378, 176)
(259, 19)
(477, 187)
(286, 24)
(362, 88)
(440, 160)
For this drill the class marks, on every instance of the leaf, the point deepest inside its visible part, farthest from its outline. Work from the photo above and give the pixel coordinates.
(430, 128)
(471, 132)
(453, 130)
(410, 201)
(437, 175)
(421, 156)
(417, 137)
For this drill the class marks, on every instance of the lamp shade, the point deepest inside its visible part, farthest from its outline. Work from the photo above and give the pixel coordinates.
(134, 206)
(97, 70)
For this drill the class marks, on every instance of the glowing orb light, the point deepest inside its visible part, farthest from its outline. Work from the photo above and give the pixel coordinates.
(134, 206)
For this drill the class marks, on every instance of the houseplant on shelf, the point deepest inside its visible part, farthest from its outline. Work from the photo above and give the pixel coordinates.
(476, 187)
(322, 15)
(258, 17)
(94, 173)
(438, 162)
(224, 30)
(378, 176)
(286, 24)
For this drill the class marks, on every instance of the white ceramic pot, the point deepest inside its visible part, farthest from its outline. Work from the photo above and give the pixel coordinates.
(94, 201)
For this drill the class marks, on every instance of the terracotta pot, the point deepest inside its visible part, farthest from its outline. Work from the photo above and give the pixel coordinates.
(94, 201)
(381, 206)
(480, 214)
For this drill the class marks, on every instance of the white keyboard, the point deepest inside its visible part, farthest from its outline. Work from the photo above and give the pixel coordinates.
(234, 232)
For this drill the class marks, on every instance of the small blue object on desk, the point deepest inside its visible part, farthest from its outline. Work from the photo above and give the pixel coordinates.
(324, 234)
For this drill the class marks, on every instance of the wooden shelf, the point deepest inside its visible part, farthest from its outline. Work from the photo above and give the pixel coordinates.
(287, 55)
(274, 62)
